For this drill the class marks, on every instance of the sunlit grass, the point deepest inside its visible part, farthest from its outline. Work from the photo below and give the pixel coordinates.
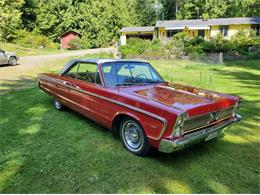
(24, 51)
(46, 151)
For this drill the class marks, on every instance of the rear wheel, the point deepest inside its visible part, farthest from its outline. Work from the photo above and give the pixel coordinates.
(133, 137)
(12, 61)
(58, 105)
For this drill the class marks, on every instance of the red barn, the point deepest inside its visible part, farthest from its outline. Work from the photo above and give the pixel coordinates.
(67, 37)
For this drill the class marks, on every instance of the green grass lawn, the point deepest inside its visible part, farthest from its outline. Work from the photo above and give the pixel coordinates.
(46, 151)
(24, 51)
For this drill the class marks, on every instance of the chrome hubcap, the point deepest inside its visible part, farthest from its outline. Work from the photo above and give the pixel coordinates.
(132, 135)
(57, 104)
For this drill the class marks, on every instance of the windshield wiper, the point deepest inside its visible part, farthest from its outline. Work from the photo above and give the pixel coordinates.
(137, 83)
(154, 82)
(125, 84)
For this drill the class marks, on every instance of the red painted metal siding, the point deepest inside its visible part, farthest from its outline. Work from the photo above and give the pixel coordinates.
(66, 38)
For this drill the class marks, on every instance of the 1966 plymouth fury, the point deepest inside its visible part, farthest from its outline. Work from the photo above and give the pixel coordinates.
(131, 98)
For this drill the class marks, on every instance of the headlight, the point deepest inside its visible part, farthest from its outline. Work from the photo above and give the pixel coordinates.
(179, 120)
(177, 130)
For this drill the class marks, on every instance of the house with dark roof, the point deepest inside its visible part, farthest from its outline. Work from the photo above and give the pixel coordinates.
(166, 29)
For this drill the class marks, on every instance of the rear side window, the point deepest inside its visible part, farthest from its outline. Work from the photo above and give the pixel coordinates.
(86, 72)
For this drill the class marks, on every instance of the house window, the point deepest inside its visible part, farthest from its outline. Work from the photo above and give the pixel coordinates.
(201, 33)
(224, 30)
(171, 33)
(256, 28)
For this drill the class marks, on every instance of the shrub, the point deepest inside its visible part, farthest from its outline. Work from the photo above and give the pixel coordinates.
(156, 45)
(75, 43)
(177, 46)
(79, 43)
(134, 46)
(217, 44)
(181, 44)
(33, 40)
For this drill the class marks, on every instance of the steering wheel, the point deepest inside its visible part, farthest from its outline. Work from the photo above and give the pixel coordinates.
(140, 75)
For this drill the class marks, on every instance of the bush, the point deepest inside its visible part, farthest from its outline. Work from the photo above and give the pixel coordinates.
(178, 45)
(157, 46)
(134, 46)
(181, 44)
(33, 40)
(80, 43)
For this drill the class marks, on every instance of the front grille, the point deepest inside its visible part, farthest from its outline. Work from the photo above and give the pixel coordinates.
(195, 123)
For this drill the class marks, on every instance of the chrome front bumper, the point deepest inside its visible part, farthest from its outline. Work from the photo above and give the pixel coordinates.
(168, 146)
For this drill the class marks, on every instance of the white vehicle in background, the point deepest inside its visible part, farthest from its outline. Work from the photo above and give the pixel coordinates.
(8, 58)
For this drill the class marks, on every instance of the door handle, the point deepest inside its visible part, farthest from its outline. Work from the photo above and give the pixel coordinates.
(67, 83)
(70, 84)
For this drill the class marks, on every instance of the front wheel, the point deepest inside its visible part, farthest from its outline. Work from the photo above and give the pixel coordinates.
(133, 137)
(12, 61)
(58, 105)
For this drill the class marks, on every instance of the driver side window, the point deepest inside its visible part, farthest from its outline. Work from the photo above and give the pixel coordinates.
(86, 72)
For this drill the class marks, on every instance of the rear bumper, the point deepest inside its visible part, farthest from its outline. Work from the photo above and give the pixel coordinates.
(168, 146)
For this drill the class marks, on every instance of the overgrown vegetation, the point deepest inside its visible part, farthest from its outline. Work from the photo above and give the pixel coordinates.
(242, 44)
(100, 20)
(80, 43)
(33, 40)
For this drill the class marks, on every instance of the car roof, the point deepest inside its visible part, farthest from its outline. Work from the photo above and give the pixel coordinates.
(96, 61)
(105, 60)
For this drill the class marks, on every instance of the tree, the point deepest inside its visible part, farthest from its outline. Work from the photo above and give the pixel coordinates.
(10, 18)
(28, 16)
(100, 21)
(169, 9)
(195, 9)
(146, 12)
(242, 8)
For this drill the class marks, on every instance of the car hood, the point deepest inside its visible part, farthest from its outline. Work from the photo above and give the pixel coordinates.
(185, 98)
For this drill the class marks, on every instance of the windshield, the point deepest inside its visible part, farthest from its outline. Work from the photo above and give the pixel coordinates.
(130, 73)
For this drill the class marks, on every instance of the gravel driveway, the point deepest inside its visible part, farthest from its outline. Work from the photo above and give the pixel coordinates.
(25, 73)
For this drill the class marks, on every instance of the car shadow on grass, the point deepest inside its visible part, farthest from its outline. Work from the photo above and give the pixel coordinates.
(22, 82)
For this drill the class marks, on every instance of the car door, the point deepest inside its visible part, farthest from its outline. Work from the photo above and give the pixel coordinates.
(84, 87)
(62, 86)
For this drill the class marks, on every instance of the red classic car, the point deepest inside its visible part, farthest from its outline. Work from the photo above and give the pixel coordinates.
(131, 98)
